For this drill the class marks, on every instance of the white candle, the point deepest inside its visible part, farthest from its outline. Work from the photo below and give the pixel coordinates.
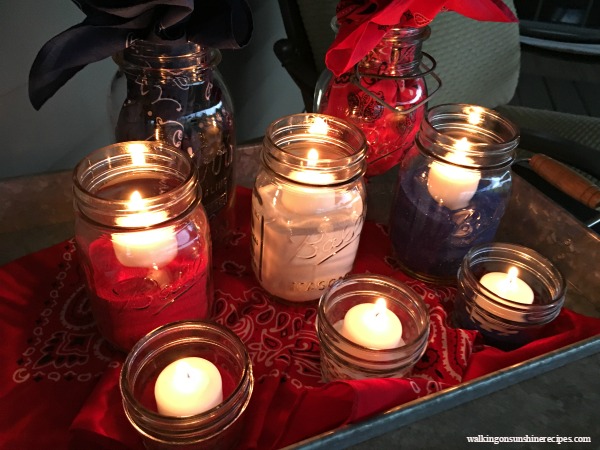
(308, 199)
(148, 248)
(452, 186)
(508, 286)
(188, 386)
(372, 325)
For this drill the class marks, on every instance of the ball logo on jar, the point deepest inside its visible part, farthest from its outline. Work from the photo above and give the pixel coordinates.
(326, 245)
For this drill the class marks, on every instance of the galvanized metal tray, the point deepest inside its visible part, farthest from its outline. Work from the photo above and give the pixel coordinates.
(533, 220)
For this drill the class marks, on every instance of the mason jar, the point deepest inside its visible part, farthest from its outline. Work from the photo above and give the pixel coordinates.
(385, 95)
(175, 93)
(142, 239)
(308, 205)
(508, 292)
(452, 189)
(200, 405)
(370, 326)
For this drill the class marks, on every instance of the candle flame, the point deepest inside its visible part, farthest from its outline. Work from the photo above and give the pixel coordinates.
(512, 274)
(185, 375)
(380, 306)
(474, 114)
(136, 203)
(462, 145)
(313, 157)
(319, 126)
(138, 158)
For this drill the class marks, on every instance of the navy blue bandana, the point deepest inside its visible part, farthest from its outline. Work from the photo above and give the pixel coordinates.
(111, 25)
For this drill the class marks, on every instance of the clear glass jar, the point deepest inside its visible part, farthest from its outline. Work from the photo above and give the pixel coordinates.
(308, 205)
(217, 427)
(176, 94)
(509, 309)
(142, 238)
(385, 96)
(452, 189)
(361, 339)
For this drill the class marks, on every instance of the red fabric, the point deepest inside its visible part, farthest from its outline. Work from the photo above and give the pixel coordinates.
(140, 306)
(59, 378)
(364, 22)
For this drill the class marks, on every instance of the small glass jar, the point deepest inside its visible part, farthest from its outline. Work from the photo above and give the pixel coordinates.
(508, 292)
(361, 337)
(384, 95)
(176, 94)
(452, 189)
(143, 239)
(308, 205)
(218, 427)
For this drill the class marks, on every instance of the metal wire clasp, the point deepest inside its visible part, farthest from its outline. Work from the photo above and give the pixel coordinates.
(424, 71)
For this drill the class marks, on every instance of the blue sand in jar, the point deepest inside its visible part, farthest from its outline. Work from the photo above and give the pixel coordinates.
(494, 332)
(432, 240)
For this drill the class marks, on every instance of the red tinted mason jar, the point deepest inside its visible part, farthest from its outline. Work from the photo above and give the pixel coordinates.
(143, 239)
(384, 95)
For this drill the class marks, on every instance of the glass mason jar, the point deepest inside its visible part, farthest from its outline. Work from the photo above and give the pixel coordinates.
(363, 337)
(385, 96)
(308, 205)
(452, 189)
(180, 344)
(176, 94)
(508, 292)
(142, 238)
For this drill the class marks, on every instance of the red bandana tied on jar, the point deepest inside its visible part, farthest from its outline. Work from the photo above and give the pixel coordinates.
(364, 22)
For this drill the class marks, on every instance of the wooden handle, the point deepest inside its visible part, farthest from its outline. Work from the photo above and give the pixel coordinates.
(565, 179)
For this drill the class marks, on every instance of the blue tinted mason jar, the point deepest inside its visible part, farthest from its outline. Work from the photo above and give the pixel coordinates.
(452, 189)
(175, 94)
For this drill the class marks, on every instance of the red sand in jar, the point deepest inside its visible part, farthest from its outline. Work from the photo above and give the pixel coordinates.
(389, 134)
(129, 302)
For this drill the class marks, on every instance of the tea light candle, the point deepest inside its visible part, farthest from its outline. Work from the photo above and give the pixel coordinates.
(453, 186)
(188, 386)
(148, 248)
(307, 199)
(508, 286)
(372, 325)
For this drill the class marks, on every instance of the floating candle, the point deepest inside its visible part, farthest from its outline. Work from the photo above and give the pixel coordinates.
(308, 199)
(451, 185)
(188, 386)
(148, 248)
(508, 286)
(372, 325)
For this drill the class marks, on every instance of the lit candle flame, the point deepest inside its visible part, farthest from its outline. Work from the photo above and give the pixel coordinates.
(137, 152)
(136, 203)
(462, 145)
(459, 156)
(186, 377)
(474, 114)
(512, 275)
(380, 307)
(319, 126)
(313, 157)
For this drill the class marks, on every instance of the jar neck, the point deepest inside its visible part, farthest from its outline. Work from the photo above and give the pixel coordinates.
(469, 136)
(398, 52)
(165, 179)
(159, 60)
(314, 149)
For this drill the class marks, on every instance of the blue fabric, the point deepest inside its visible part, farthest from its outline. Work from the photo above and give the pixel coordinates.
(110, 25)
